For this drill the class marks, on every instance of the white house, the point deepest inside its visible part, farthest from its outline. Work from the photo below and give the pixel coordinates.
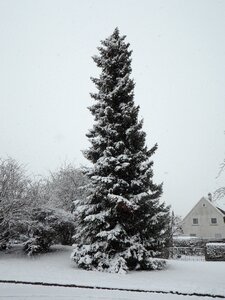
(205, 220)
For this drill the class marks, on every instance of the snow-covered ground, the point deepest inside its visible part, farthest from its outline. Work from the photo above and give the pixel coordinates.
(8, 291)
(56, 267)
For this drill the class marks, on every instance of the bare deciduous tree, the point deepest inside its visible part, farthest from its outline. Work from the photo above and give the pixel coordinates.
(65, 186)
(13, 181)
(14, 210)
(220, 192)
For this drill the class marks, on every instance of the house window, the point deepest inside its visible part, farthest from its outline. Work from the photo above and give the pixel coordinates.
(195, 221)
(192, 234)
(214, 221)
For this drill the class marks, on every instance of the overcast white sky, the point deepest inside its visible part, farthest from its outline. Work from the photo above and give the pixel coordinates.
(179, 70)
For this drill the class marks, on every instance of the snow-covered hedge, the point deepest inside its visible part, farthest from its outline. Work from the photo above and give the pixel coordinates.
(187, 246)
(188, 241)
(215, 251)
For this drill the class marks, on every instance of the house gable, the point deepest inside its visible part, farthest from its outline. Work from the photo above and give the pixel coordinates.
(201, 202)
(204, 220)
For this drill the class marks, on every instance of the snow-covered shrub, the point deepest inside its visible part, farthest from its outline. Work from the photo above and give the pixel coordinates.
(62, 223)
(215, 251)
(49, 226)
(42, 239)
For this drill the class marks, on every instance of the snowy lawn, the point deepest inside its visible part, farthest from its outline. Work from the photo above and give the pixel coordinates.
(56, 267)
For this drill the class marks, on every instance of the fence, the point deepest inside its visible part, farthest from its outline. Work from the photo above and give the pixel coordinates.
(187, 253)
(189, 248)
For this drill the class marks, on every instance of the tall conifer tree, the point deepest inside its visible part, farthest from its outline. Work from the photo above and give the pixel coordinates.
(123, 225)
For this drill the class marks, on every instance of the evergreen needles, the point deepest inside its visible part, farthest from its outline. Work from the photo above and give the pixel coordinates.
(123, 226)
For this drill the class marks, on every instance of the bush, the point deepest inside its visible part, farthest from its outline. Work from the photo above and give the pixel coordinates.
(215, 251)
(41, 241)
(49, 226)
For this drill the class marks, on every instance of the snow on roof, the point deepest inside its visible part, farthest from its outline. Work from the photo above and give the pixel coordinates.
(220, 204)
(222, 211)
(185, 237)
(216, 244)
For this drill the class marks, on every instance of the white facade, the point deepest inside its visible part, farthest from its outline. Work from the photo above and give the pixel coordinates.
(204, 221)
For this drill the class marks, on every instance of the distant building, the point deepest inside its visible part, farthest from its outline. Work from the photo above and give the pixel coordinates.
(205, 220)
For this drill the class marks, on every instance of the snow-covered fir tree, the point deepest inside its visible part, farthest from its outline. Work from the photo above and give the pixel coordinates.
(123, 225)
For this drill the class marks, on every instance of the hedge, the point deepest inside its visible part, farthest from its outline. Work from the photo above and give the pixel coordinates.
(215, 251)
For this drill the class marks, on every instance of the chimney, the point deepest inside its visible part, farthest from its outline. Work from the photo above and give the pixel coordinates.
(210, 197)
